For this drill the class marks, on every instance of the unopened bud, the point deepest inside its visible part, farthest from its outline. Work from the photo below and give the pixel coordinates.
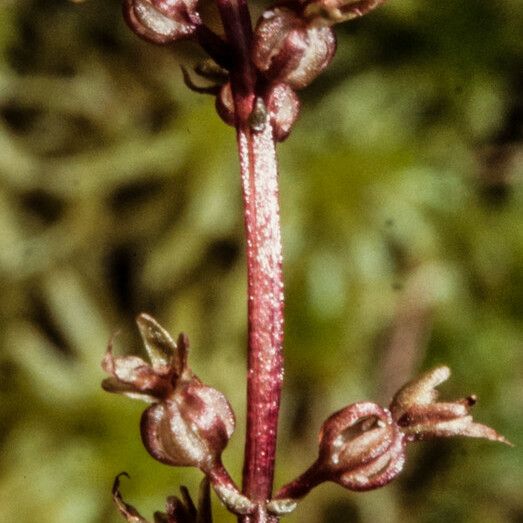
(190, 428)
(361, 447)
(290, 49)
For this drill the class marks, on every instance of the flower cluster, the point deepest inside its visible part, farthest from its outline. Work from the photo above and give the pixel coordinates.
(362, 446)
(293, 43)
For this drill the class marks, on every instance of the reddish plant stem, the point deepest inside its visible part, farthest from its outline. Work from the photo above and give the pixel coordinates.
(265, 292)
(237, 25)
(259, 175)
(302, 485)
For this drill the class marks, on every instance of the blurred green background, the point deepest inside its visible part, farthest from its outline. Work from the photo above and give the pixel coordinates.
(402, 198)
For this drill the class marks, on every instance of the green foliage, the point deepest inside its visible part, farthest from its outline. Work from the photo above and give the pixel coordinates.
(402, 198)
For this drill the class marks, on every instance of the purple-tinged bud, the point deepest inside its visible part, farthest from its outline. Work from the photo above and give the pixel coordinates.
(336, 11)
(162, 21)
(189, 423)
(283, 107)
(290, 49)
(190, 428)
(361, 447)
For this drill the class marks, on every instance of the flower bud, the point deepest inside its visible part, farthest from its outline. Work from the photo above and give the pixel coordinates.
(190, 428)
(162, 21)
(290, 49)
(361, 447)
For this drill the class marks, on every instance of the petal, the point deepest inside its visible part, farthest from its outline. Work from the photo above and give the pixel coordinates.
(464, 426)
(129, 390)
(319, 52)
(209, 410)
(339, 423)
(133, 377)
(433, 413)
(177, 9)
(129, 368)
(134, 21)
(420, 391)
(283, 106)
(272, 30)
(160, 347)
(158, 23)
(122, 368)
(365, 447)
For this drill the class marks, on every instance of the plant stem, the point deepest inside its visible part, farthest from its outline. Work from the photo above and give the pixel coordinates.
(259, 175)
(303, 484)
(265, 292)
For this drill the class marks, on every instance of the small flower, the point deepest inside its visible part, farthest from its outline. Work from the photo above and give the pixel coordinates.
(188, 423)
(162, 21)
(420, 416)
(362, 446)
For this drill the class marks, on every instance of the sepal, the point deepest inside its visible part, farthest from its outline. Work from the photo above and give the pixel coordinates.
(416, 410)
